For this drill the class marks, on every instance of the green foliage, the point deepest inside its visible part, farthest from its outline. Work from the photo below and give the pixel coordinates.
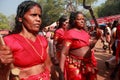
(53, 9)
(4, 24)
(88, 2)
(11, 20)
(110, 7)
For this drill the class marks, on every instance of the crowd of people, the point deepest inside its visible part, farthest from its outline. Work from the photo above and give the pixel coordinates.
(111, 37)
(63, 52)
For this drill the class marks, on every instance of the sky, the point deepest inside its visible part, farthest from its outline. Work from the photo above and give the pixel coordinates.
(99, 2)
(9, 7)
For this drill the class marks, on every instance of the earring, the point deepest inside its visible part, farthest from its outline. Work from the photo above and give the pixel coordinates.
(20, 19)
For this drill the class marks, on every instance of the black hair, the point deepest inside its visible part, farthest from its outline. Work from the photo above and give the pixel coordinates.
(114, 24)
(73, 16)
(62, 19)
(21, 10)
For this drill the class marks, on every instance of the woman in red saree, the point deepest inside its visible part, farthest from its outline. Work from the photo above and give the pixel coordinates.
(77, 57)
(57, 44)
(59, 35)
(24, 47)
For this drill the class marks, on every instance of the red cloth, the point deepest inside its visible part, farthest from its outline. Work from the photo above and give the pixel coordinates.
(23, 52)
(42, 76)
(59, 34)
(79, 39)
(79, 69)
(59, 37)
(118, 43)
(118, 32)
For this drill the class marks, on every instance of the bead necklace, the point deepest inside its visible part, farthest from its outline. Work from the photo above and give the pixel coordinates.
(41, 56)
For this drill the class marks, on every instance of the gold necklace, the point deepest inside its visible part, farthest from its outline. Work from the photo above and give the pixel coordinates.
(41, 56)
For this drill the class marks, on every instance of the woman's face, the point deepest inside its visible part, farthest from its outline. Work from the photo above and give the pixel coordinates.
(32, 19)
(79, 21)
(65, 24)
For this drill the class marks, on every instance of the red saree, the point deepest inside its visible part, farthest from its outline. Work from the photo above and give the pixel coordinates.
(42, 76)
(77, 68)
(59, 37)
(24, 54)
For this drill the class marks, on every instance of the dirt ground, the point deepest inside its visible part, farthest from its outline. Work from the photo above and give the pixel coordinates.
(102, 55)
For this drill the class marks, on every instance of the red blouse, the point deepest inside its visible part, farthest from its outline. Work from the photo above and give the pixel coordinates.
(59, 35)
(77, 38)
(26, 52)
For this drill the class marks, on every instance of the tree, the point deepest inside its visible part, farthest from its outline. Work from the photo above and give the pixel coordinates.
(11, 20)
(110, 7)
(53, 9)
(4, 24)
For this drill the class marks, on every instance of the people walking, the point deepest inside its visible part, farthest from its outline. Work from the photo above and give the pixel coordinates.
(24, 47)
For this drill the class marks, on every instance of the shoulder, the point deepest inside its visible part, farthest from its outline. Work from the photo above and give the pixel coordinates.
(42, 38)
(114, 29)
(59, 30)
(11, 40)
(9, 37)
(70, 34)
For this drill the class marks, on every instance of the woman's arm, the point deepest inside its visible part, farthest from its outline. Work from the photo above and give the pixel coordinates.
(5, 52)
(94, 40)
(6, 56)
(54, 46)
(6, 59)
(64, 53)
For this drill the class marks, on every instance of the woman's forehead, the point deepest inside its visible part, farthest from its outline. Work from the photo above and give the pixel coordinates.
(35, 9)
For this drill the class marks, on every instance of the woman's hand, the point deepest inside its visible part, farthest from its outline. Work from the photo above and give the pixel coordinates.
(6, 56)
(98, 33)
(94, 40)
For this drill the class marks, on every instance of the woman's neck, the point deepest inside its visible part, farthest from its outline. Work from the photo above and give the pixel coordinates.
(28, 35)
(78, 28)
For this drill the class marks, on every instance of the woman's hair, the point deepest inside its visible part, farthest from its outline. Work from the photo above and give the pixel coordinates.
(21, 10)
(73, 16)
(114, 24)
(62, 19)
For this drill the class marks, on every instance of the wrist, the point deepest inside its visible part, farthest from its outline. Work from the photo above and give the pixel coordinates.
(0, 61)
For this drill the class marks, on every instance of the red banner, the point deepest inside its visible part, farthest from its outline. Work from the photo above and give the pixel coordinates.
(107, 19)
